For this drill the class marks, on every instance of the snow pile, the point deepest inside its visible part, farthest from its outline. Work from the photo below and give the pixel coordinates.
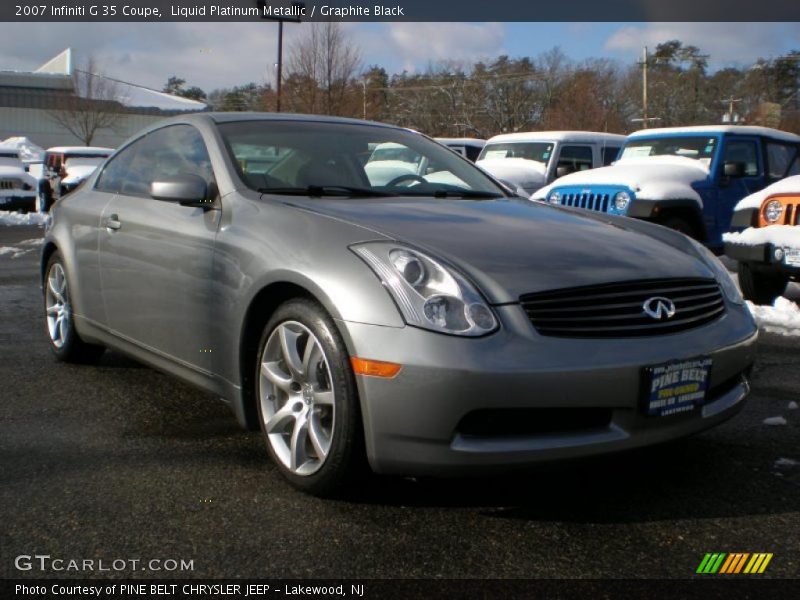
(650, 177)
(782, 317)
(790, 185)
(14, 218)
(28, 151)
(774, 421)
(786, 462)
(785, 236)
(793, 405)
(12, 250)
(527, 174)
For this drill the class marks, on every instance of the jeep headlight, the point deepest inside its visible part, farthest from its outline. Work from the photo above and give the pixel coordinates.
(554, 198)
(621, 200)
(428, 294)
(721, 274)
(773, 211)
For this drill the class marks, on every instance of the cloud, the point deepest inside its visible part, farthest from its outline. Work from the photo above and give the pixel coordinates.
(726, 43)
(412, 46)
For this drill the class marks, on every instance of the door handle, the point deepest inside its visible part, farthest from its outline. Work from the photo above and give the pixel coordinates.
(113, 223)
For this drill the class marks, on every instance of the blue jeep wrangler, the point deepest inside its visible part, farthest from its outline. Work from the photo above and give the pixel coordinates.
(686, 178)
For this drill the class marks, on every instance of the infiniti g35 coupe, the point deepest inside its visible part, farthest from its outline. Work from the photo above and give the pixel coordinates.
(429, 324)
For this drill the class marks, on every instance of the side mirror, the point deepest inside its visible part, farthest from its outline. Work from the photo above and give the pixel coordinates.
(186, 189)
(562, 170)
(733, 169)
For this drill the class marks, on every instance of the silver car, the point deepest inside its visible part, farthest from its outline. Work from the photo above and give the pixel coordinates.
(426, 325)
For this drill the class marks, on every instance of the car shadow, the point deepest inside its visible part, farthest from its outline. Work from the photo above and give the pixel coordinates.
(667, 482)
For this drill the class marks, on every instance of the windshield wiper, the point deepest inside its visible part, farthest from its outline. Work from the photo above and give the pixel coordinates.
(317, 191)
(473, 194)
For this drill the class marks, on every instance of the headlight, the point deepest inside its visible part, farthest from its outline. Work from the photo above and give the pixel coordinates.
(554, 198)
(721, 274)
(773, 211)
(428, 294)
(621, 200)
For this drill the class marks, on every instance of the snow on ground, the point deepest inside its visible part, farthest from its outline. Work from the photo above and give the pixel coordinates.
(785, 236)
(790, 185)
(783, 317)
(14, 218)
(774, 421)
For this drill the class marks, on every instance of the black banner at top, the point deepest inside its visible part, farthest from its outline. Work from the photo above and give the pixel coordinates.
(401, 10)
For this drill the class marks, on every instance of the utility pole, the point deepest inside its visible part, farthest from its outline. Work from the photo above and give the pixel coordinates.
(731, 102)
(644, 87)
(297, 10)
(364, 97)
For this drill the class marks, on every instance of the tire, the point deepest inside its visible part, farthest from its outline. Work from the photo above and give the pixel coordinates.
(310, 417)
(679, 224)
(761, 287)
(64, 340)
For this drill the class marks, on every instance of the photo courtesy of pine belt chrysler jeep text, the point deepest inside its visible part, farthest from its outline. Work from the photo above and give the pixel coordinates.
(429, 324)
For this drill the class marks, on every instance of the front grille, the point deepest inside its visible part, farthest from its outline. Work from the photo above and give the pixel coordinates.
(9, 184)
(616, 310)
(587, 200)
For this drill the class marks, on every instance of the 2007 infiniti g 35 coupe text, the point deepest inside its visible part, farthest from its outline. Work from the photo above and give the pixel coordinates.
(398, 306)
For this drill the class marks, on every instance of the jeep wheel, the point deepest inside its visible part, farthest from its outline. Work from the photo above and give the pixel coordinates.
(761, 287)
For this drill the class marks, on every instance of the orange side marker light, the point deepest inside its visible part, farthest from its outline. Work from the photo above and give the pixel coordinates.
(374, 368)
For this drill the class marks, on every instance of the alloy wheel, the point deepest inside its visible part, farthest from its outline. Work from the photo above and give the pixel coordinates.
(297, 398)
(56, 305)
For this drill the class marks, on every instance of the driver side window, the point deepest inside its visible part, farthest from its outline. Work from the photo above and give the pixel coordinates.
(173, 150)
(744, 152)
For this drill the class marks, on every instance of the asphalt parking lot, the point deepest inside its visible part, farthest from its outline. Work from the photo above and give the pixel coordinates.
(117, 461)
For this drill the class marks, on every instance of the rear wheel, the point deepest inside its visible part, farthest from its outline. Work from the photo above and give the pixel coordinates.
(65, 342)
(761, 287)
(307, 399)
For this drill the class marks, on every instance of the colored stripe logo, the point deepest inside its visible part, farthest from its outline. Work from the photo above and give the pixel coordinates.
(734, 563)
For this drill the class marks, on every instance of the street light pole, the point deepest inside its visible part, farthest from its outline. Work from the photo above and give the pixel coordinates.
(297, 8)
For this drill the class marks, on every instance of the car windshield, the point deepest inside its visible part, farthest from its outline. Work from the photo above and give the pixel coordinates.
(349, 159)
(541, 152)
(701, 148)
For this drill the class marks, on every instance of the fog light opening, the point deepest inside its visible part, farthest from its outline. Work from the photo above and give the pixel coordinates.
(778, 254)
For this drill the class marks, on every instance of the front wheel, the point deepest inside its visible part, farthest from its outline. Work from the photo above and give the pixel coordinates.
(761, 287)
(65, 342)
(307, 399)
(678, 224)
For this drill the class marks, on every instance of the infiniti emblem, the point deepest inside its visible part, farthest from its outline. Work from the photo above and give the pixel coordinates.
(659, 308)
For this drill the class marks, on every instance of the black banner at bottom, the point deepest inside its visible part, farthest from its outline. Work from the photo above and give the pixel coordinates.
(709, 588)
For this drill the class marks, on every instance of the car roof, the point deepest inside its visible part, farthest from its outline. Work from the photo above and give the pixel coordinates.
(462, 141)
(739, 129)
(557, 136)
(232, 117)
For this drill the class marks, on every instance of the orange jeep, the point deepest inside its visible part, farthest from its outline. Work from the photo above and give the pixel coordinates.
(768, 251)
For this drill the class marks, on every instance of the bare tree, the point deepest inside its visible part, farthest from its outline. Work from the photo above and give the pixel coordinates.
(94, 105)
(321, 70)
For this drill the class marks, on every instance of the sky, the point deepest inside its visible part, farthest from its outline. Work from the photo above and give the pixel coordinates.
(216, 55)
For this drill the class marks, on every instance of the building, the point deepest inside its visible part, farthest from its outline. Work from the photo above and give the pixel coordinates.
(30, 102)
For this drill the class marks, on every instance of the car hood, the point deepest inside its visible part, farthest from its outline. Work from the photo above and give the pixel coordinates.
(651, 177)
(511, 247)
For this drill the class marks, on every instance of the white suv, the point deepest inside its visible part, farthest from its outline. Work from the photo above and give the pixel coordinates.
(17, 186)
(531, 160)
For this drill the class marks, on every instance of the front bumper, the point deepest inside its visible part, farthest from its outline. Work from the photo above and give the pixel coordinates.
(762, 256)
(412, 421)
(25, 201)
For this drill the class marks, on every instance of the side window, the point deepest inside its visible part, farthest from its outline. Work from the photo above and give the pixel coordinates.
(576, 158)
(610, 154)
(114, 173)
(781, 160)
(173, 150)
(744, 152)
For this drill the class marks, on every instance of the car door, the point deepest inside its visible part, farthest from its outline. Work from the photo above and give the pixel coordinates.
(744, 150)
(156, 257)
